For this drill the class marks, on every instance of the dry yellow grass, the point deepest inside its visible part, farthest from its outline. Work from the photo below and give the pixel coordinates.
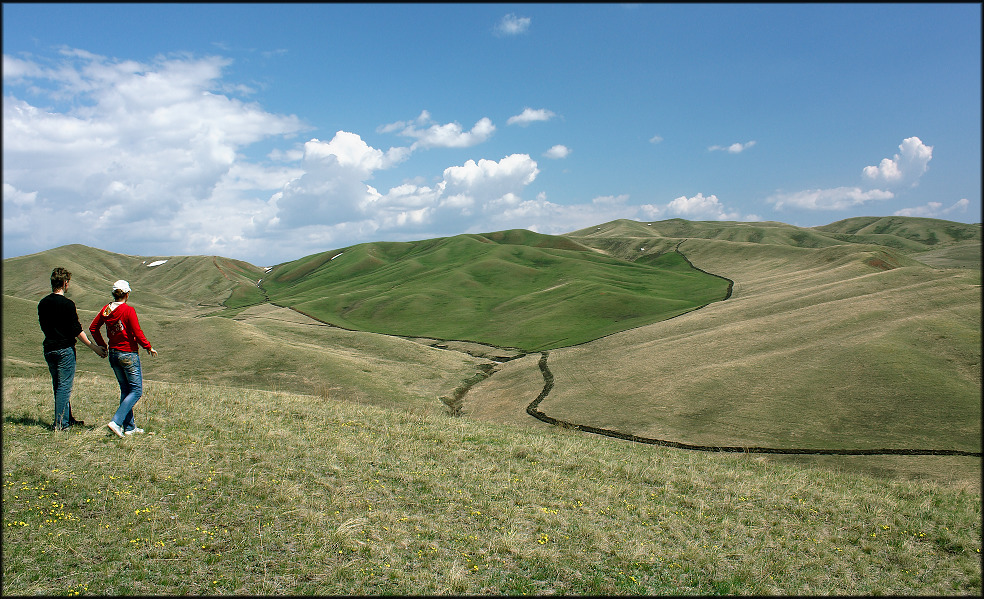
(815, 349)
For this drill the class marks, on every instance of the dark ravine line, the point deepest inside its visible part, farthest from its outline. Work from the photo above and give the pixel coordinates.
(548, 383)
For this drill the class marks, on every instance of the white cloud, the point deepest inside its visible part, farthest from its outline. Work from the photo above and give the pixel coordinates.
(488, 180)
(698, 207)
(138, 147)
(557, 151)
(333, 186)
(735, 148)
(837, 198)
(433, 135)
(333, 198)
(547, 217)
(350, 151)
(530, 115)
(935, 209)
(906, 167)
(655, 139)
(17, 197)
(513, 25)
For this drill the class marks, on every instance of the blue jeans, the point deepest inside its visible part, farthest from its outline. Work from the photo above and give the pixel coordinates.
(61, 365)
(126, 366)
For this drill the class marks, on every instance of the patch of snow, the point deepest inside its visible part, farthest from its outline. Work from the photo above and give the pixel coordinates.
(157, 263)
(268, 269)
(336, 255)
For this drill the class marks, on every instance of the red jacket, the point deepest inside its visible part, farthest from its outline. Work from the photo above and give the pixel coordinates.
(122, 328)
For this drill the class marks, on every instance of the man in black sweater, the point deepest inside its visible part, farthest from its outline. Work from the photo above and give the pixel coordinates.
(60, 324)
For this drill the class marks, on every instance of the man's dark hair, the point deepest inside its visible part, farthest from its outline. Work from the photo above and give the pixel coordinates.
(118, 294)
(59, 277)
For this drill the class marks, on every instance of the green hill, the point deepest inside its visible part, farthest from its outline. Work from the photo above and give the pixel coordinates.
(510, 288)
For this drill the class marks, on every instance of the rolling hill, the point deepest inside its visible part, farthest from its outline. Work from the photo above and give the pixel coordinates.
(863, 333)
(824, 343)
(511, 289)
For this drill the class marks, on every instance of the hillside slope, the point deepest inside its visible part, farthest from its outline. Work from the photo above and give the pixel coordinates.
(199, 283)
(510, 288)
(849, 346)
(261, 347)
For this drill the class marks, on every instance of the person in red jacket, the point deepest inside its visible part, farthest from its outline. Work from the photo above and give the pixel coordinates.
(125, 340)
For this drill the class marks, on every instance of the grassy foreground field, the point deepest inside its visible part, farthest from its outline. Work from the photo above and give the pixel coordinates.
(257, 492)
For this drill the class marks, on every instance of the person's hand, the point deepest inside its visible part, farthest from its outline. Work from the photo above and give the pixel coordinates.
(101, 351)
(153, 352)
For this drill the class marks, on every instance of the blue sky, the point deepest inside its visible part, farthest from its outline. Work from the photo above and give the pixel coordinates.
(268, 132)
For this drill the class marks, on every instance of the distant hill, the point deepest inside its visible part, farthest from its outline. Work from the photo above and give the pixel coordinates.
(159, 281)
(906, 234)
(509, 288)
(926, 231)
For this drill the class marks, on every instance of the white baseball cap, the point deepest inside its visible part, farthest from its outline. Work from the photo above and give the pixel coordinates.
(122, 286)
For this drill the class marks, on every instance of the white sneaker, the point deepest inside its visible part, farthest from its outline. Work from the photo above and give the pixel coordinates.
(134, 430)
(115, 428)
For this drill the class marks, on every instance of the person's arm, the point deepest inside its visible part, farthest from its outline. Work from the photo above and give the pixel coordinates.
(134, 325)
(94, 327)
(101, 351)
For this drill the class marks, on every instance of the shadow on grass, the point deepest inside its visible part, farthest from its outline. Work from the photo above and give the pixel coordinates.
(25, 420)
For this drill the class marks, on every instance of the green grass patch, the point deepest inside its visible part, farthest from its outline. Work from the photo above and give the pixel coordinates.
(511, 289)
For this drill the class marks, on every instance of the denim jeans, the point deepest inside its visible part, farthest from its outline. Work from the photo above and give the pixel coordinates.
(126, 366)
(61, 365)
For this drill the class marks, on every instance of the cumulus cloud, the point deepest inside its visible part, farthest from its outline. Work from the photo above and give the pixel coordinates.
(332, 202)
(333, 187)
(735, 148)
(430, 134)
(655, 139)
(906, 167)
(838, 198)
(513, 25)
(119, 151)
(530, 115)
(935, 209)
(17, 197)
(558, 151)
(488, 180)
(547, 217)
(698, 207)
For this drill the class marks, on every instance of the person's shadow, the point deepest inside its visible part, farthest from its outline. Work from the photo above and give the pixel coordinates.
(27, 420)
